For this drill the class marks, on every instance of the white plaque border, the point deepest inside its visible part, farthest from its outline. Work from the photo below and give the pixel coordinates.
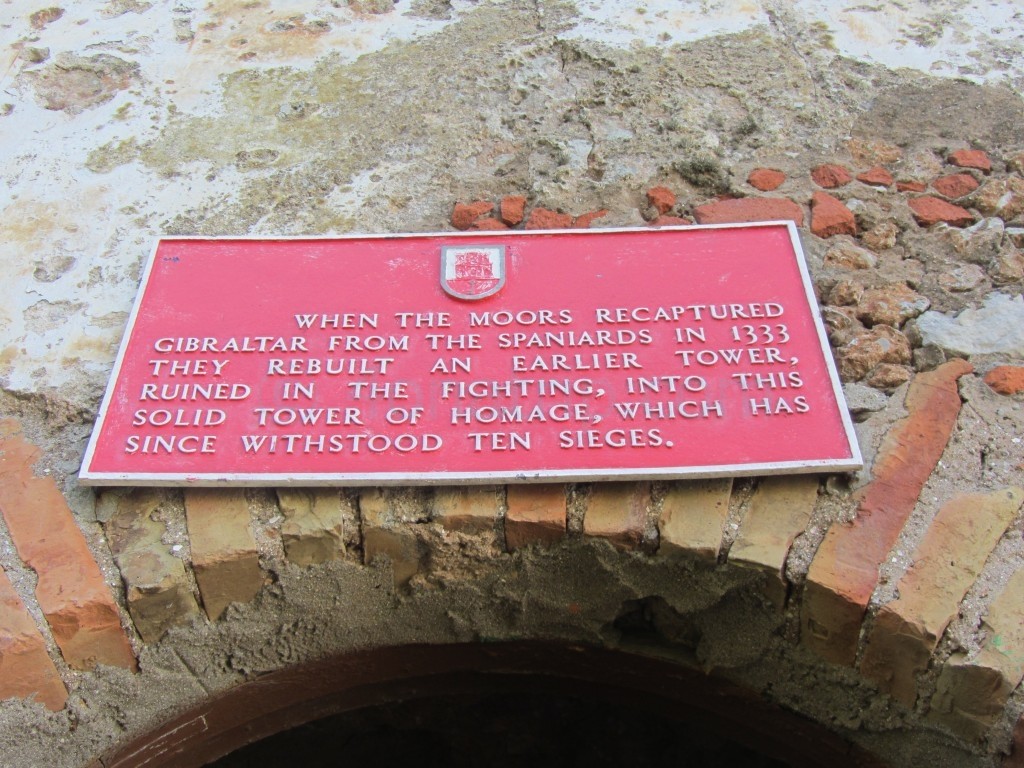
(316, 479)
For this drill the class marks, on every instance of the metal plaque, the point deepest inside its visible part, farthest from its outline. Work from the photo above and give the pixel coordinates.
(473, 357)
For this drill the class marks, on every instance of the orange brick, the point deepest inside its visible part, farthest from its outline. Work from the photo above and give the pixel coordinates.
(26, 669)
(946, 563)
(779, 512)
(618, 512)
(693, 517)
(72, 594)
(536, 515)
(844, 571)
(224, 555)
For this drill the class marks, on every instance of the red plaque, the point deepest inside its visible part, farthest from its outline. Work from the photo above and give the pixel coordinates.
(615, 354)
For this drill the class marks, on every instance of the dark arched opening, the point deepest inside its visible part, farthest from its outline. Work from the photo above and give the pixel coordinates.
(383, 691)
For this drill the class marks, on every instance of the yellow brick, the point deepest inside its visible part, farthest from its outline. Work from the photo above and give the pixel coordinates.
(224, 554)
(618, 512)
(693, 517)
(779, 512)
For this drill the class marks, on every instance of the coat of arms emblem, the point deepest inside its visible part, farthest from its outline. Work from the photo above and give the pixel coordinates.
(472, 271)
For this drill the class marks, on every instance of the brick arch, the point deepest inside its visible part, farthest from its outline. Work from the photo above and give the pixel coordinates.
(294, 696)
(770, 583)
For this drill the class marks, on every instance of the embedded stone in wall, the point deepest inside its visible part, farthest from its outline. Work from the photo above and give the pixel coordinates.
(946, 563)
(1000, 197)
(997, 326)
(224, 555)
(693, 515)
(313, 530)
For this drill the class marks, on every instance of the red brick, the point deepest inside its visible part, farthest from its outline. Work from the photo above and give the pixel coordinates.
(72, 594)
(618, 512)
(536, 515)
(488, 224)
(876, 177)
(669, 221)
(830, 217)
(465, 214)
(831, 176)
(844, 571)
(224, 555)
(946, 563)
(955, 185)
(911, 186)
(26, 669)
(513, 209)
(930, 210)
(1006, 379)
(749, 209)
(662, 198)
(543, 218)
(584, 220)
(970, 158)
(766, 179)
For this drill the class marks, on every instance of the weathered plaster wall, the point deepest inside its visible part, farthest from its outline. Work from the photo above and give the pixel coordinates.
(125, 120)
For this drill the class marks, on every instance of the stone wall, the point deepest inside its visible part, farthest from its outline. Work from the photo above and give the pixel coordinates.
(886, 606)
